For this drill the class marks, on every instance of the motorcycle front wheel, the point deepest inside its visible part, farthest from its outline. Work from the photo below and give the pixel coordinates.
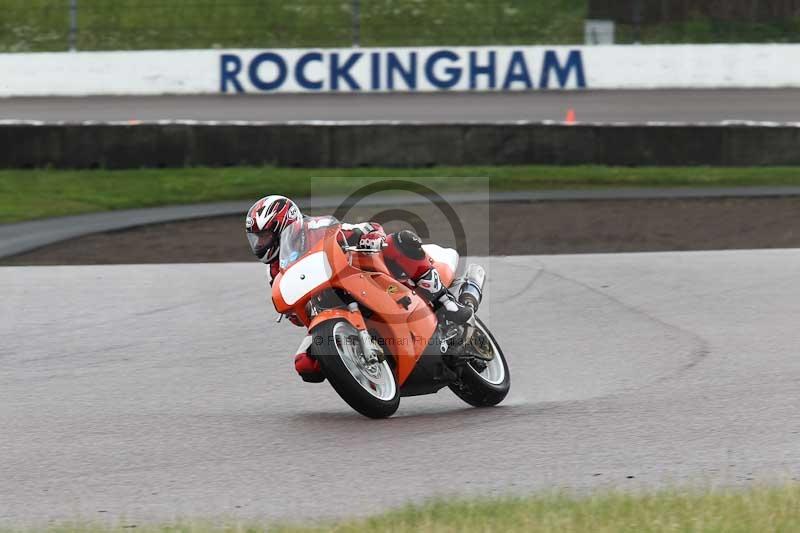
(370, 389)
(488, 386)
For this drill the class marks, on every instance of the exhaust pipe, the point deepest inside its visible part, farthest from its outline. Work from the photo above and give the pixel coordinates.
(471, 290)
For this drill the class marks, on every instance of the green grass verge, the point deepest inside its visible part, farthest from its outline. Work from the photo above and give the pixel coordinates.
(43, 25)
(760, 509)
(32, 194)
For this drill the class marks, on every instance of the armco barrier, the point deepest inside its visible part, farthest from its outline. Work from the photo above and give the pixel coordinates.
(392, 145)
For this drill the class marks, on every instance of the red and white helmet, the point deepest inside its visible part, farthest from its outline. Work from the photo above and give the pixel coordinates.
(264, 223)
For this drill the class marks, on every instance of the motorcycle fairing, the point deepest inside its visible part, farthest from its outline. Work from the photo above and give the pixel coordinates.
(304, 276)
(429, 373)
(399, 315)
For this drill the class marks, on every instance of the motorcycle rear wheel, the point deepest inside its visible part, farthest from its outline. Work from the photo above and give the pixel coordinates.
(369, 389)
(490, 386)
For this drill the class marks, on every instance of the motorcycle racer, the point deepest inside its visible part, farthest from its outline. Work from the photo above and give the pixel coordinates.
(403, 252)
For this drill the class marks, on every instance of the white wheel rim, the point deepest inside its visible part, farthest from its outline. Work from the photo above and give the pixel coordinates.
(377, 379)
(495, 372)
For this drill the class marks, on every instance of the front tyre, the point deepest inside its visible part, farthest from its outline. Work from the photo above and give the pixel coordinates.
(369, 389)
(488, 386)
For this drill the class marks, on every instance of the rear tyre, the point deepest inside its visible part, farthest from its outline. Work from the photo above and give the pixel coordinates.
(488, 386)
(369, 389)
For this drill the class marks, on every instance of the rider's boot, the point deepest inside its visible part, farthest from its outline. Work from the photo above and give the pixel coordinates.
(404, 249)
(430, 285)
(305, 365)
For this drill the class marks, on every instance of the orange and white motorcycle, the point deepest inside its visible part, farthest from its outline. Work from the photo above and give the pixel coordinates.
(375, 338)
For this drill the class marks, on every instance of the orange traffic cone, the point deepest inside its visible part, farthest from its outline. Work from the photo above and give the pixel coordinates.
(571, 119)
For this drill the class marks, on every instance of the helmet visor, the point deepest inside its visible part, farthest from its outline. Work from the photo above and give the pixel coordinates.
(261, 243)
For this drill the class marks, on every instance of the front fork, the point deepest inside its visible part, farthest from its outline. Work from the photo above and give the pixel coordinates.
(372, 353)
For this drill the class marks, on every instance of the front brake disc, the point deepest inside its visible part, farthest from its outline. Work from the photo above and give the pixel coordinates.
(481, 347)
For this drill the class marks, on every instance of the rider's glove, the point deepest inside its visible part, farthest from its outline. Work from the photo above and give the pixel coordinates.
(372, 241)
(365, 235)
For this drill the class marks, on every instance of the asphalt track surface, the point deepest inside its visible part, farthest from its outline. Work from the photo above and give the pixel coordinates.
(142, 393)
(779, 105)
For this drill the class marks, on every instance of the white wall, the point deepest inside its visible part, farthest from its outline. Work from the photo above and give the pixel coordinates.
(426, 69)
